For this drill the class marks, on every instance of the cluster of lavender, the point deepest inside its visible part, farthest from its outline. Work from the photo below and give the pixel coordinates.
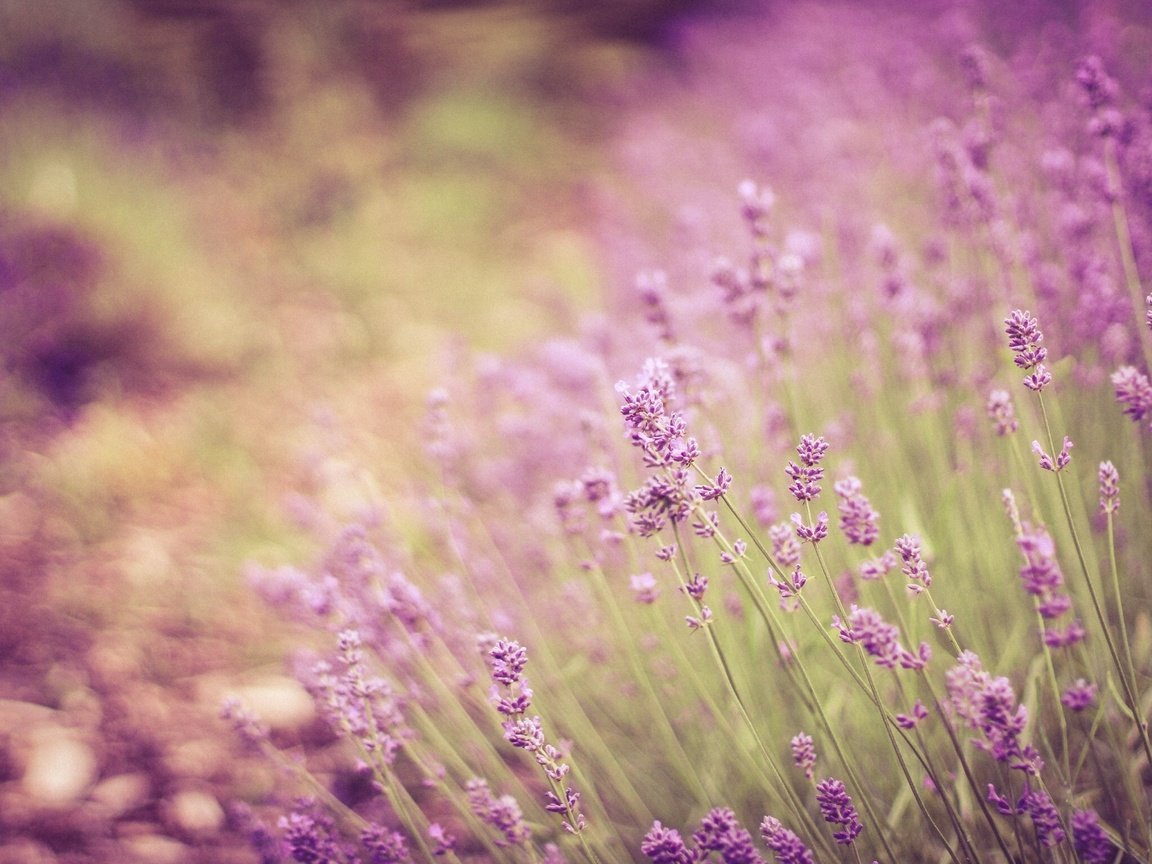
(577, 525)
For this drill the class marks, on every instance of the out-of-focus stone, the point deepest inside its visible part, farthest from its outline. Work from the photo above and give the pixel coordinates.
(154, 849)
(25, 851)
(60, 767)
(279, 701)
(195, 812)
(198, 758)
(120, 795)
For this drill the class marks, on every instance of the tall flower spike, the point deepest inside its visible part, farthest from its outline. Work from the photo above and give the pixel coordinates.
(1133, 392)
(857, 518)
(837, 809)
(1109, 479)
(1002, 412)
(1024, 338)
(1090, 840)
(807, 475)
(804, 754)
(789, 848)
(666, 846)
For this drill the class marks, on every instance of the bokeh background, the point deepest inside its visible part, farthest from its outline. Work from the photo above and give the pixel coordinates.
(222, 221)
(234, 232)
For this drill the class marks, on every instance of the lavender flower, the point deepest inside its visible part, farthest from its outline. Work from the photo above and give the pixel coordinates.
(715, 490)
(989, 705)
(1002, 412)
(879, 639)
(857, 518)
(1109, 479)
(652, 286)
(310, 837)
(1089, 839)
(804, 754)
(876, 568)
(720, 832)
(919, 579)
(501, 813)
(785, 548)
(1045, 818)
(666, 846)
(807, 475)
(1062, 458)
(837, 809)
(811, 533)
(789, 848)
(442, 841)
(1080, 696)
(644, 588)
(384, 846)
(1133, 392)
(1024, 338)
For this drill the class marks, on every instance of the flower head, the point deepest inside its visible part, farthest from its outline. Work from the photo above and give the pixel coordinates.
(789, 848)
(1024, 338)
(857, 518)
(1109, 479)
(837, 808)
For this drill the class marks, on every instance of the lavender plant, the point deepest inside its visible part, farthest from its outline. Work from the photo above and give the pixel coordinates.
(968, 701)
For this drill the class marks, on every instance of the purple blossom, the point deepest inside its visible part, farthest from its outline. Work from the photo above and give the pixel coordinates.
(442, 841)
(876, 568)
(912, 720)
(501, 813)
(789, 848)
(789, 588)
(1099, 88)
(1045, 818)
(525, 733)
(919, 579)
(804, 753)
(1090, 840)
(715, 490)
(696, 586)
(665, 846)
(1002, 412)
(807, 475)
(785, 548)
(989, 705)
(1133, 392)
(568, 807)
(644, 588)
(1080, 696)
(1062, 458)
(837, 809)
(310, 838)
(1024, 338)
(1003, 806)
(384, 846)
(652, 286)
(879, 639)
(720, 832)
(1109, 479)
(696, 623)
(811, 533)
(507, 660)
(857, 518)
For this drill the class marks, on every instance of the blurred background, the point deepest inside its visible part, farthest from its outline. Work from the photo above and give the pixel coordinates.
(220, 221)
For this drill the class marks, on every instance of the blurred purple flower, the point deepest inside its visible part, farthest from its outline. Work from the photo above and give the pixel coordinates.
(789, 848)
(1080, 696)
(1133, 392)
(857, 518)
(1002, 412)
(1090, 840)
(804, 753)
(1109, 479)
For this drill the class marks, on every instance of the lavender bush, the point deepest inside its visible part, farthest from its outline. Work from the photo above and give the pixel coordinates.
(853, 552)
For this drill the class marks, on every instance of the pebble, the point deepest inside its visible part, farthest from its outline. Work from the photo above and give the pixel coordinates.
(195, 812)
(155, 849)
(60, 768)
(120, 795)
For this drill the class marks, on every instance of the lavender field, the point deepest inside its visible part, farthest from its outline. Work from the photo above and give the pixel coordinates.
(594, 433)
